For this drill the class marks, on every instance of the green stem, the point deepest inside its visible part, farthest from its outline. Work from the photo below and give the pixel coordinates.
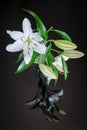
(59, 52)
(49, 29)
(50, 40)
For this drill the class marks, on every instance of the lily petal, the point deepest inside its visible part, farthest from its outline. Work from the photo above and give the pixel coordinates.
(58, 62)
(26, 25)
(36, 37)
(58, 58)
(59, 67)
(15, 47)
(27, 54)
(65, 57)
(39, 48)
(15, 34)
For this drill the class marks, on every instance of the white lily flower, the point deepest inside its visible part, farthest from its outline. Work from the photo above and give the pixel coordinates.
(26, 41)
(58, 62)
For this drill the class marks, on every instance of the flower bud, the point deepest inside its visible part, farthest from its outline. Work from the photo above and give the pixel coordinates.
(65, 45)
(73, 54)
(47, 71)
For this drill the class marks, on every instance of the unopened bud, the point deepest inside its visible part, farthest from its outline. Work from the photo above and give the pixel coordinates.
(65, 45)
(73, 54)
(47, 71)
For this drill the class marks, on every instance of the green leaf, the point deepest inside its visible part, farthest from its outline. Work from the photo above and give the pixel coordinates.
(32, 104)
(63, 34)
(54, 118)
(50, 117)
(50, 58)
(42, 58)
(73, 54)
(48, 49)
(40, 25)
(55, 71)
(64, 44)
(60, 110)
(65, 68)
(20, 58)
(24, 66)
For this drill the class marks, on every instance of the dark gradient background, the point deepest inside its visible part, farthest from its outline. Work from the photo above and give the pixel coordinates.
(68, 16)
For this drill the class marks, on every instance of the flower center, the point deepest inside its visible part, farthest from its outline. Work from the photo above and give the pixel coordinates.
(28, 41)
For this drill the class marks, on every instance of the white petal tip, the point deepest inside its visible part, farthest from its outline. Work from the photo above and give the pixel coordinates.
(65, 57)
(25, 20)
(7, 48)
(26, 61)
(8, 31)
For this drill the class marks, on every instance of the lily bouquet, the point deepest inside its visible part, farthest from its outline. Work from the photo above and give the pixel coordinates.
(48, 57)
